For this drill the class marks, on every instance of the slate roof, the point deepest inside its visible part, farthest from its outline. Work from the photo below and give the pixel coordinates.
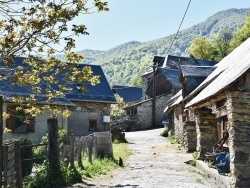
(196, 71)
(172, 75)
(129, 94)
(99, 93)
(228, 70)
(176, 99)
(9, 90)
(174, 62)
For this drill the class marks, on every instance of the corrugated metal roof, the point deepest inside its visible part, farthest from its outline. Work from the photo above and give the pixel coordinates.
(228, 70)
(196, 71)
(129, 94)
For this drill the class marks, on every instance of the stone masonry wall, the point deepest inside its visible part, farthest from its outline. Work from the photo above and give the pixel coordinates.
(206, 131)
(78, 122)
(189, 136)
(238, 106)
(178, 123)
(144, 111)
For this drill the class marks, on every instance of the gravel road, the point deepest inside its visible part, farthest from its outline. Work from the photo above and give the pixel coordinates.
(155, 163)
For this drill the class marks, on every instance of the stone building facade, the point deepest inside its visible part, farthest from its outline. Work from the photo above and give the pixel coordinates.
(87, 117)
(39, 129)
(222, 105)
(144, 112)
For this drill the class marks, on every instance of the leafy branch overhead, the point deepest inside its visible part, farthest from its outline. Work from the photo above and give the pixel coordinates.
(38, 30)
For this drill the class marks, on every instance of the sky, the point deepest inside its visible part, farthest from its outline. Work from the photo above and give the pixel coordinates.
(145, 20)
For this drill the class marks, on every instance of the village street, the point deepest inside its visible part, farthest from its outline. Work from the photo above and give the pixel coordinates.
(155, 163)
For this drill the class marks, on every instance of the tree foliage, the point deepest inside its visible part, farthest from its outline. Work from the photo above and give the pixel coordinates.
(38, 30)
(221, 42)
(241, 34)
(117, 110)
(201, 48)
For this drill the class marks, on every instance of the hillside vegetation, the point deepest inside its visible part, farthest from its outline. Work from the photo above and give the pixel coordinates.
(124, 64)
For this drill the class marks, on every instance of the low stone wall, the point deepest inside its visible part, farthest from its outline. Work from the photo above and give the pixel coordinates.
(189, 136)
(214, 177)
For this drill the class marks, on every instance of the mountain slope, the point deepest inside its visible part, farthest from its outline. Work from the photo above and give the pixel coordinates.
(124, 64)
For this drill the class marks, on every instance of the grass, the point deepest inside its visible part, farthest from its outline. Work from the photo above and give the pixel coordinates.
(165, 132)
(174, 139)
(101, 166)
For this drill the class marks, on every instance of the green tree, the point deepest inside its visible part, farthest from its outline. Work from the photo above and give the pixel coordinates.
(241, 34)
(200, 48)
(117, 110)
(221, 42)
(38, 30)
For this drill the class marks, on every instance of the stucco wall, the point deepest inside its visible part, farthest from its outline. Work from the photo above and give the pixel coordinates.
(83, 112)
(40, 127)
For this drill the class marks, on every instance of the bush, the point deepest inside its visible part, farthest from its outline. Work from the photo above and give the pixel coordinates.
(42, 178)
(40, 152)
(165, 132)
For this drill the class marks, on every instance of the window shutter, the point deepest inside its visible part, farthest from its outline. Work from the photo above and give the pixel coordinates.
(31, 125)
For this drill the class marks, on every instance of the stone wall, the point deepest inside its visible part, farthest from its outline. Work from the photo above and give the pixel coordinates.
(178, 122)
(78, 122)
(144, 111)
(206, 131)
(189, 136)
(238, 106)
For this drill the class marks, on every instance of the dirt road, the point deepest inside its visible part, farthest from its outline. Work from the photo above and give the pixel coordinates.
(155, 163)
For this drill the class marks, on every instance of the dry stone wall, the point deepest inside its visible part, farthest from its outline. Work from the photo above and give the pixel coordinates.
(206, 131)
(239, 136)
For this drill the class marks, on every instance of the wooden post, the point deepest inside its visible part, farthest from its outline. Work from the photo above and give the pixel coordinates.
(54, 161)
(1, 140)
(19, 182)
(72, 151)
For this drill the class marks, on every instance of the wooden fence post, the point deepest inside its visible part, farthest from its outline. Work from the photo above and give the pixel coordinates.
(18, 164)
(72, 151)
(54, 161)
(1, 140)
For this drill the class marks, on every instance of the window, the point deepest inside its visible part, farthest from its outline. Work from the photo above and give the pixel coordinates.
(16, 122)
(92, 125)
(222, 128)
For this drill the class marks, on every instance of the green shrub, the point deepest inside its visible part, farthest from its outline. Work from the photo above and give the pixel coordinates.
(165, 132)
(42, 177)
(40, 152)
(174, 140)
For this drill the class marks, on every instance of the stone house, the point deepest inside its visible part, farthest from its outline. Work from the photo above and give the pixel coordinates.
(89, 110)
(162, 82)
(181, 121)
(222, 104)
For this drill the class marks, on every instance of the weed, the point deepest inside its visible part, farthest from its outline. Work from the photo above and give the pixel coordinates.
(174, 140)
(165, 132)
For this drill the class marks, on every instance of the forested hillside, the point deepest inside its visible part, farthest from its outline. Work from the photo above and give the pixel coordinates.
(124, 64)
